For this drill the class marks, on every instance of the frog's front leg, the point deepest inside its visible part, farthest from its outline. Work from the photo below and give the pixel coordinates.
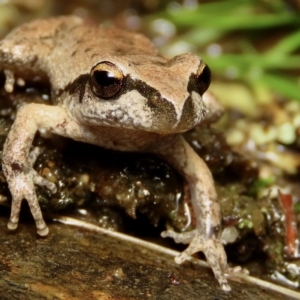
(17, 162)
(207, 235)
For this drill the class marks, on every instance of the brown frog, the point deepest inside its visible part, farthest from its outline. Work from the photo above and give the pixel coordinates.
(111, 88)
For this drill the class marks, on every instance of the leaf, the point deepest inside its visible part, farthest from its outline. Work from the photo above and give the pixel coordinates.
(286, 45)
(288, 87)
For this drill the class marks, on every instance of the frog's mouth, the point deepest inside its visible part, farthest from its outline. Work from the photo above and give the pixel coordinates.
(193, 112)
(167, 120)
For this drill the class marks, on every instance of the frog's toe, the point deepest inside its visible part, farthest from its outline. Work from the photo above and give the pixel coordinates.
(34, 154)
(41, 181)
(12, 225)
(15, 212)
(216, 258)
(181, 258)
(184, 237)
(167, 233)
(41, 226)
(237, 269)
(43, 231)
(36, 212)
(50, 186)
(225, 286)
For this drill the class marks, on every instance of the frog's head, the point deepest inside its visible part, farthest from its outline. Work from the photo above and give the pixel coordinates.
(146, 93)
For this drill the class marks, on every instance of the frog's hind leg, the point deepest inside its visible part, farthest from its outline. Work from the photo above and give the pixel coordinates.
(207, 235)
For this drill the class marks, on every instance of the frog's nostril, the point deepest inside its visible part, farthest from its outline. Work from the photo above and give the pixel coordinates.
(193, 112)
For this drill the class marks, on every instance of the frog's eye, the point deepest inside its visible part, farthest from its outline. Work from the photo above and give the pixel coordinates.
(106, 80)
(203, 78)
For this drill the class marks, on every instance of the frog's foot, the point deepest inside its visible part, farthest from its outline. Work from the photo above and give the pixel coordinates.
(211, 247)
(22, 187)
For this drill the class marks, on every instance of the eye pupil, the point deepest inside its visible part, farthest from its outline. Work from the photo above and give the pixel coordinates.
(106, 80)
(204, 79)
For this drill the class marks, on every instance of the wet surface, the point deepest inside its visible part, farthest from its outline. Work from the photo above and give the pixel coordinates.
(74, 263)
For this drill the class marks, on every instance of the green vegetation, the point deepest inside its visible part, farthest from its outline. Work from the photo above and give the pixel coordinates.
(259, 42)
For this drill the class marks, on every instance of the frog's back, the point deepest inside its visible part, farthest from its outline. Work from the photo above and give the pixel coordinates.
(77, 51)
(24, 49)
(65, 45)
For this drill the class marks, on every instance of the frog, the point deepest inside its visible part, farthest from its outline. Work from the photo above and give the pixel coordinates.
(111, 88)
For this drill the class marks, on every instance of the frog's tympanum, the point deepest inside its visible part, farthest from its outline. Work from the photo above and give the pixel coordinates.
(110, 88)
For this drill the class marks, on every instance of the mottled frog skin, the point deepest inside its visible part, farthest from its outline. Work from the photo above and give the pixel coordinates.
(111, 88)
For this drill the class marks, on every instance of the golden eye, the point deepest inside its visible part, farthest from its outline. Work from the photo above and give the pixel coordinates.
(106, 80)
(203, 78)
